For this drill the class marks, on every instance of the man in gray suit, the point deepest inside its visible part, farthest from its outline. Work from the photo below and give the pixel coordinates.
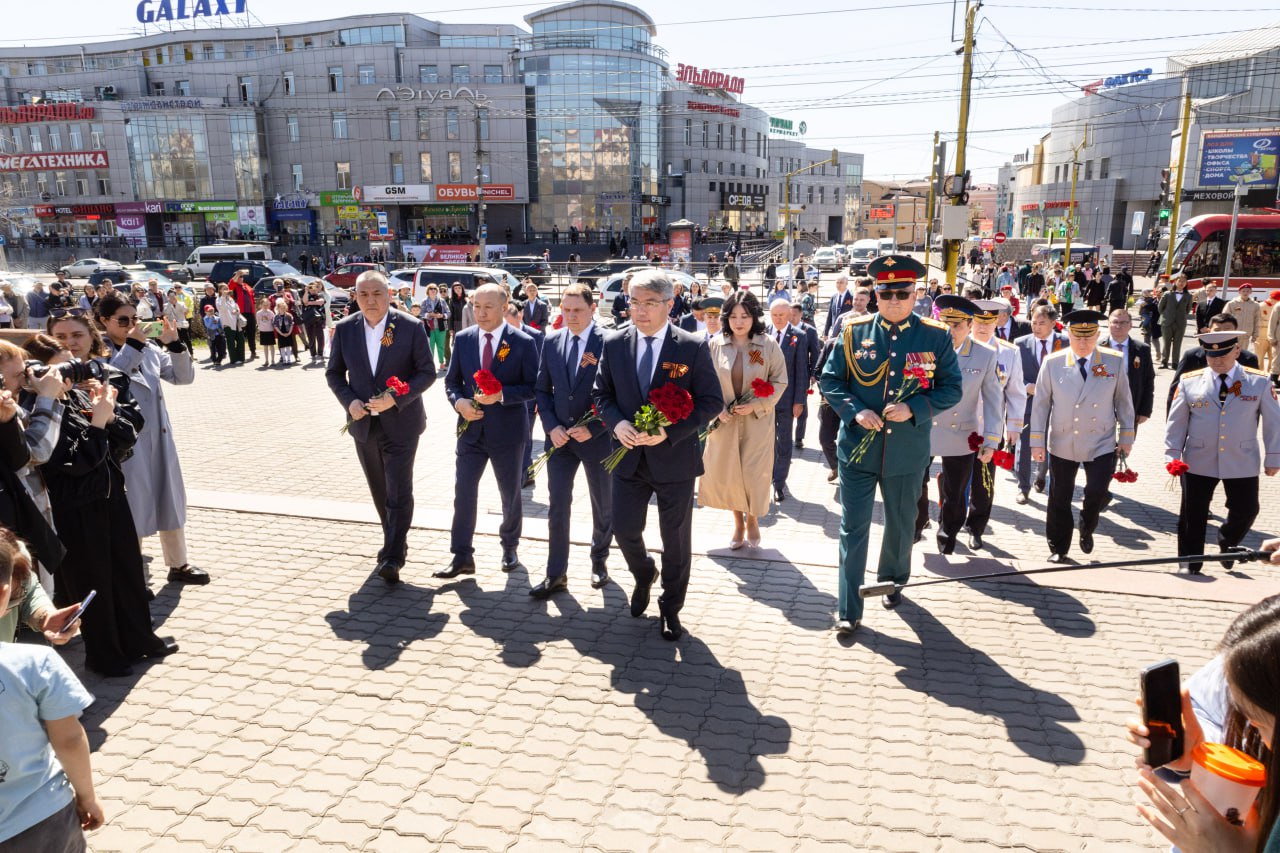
(1175, 310)
(1213, 428)
(1034, 348)
(978, 413)
(1082, 415)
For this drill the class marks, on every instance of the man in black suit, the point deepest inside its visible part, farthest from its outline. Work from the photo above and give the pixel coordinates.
(813, 349)
(515, 319)
(1010, 328)
(536, 312)
(1195, 358)
(497, 425)
(696, 321)
(841, 301)
(1035, 348)
(570, 359)
(648, 354)
(622, 304)
(1208, 305)
(369, 348)
(795, 354)
(1137, 360)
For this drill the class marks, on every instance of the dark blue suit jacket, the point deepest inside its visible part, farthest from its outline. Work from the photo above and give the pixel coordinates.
(563, 401)
(408, 358)
(840, 303)
(795, 352)
(617, 398)
(505, 424)
(538, 337)
(622, 302)
(536, 313)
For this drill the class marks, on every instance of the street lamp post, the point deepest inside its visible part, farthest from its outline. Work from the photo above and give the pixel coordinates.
(1231, 237)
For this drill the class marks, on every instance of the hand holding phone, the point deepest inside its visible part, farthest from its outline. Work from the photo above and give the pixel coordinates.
(153, 329)
(75, 617)
(1162, 713)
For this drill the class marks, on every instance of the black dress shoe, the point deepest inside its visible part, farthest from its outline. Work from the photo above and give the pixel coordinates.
(188, 574)
(892, 600)
(1086, 540)
(919, 537)
(669, 624)
(120, 670)
(528, 483)
(1195, 568)
(844, 627)
(831, 476)
(599, 576)
(161, 649)
(799, 445)
(1039, 487)
(459, 566)
(1059, 557)
(549, 587)
(946, 544)
(640, 596)
(389, 571)
(779, 494)
(510, 560)
(975, 541)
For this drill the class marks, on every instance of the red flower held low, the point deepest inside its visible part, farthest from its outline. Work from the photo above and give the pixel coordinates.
(761, 388)
(1177, 468)
(487, 383)
(975, 441)
(673, 402)
(398, 386)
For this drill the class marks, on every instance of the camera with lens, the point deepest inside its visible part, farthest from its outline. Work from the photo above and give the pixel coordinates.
(76, 371)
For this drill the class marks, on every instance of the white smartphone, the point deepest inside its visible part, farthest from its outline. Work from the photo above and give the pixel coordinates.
(75, 617)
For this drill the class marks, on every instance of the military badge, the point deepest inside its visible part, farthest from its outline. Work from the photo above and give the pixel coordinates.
(1101, 370)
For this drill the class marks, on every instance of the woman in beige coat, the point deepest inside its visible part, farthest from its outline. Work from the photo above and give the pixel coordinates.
(738, 459)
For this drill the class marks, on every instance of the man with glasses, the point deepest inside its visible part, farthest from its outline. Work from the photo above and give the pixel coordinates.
(1137, 360)
(648, 354)
(864, 371)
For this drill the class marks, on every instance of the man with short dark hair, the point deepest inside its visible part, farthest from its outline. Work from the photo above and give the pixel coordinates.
(1195, 358)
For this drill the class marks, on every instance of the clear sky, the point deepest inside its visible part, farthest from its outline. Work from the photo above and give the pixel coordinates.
(874, 76)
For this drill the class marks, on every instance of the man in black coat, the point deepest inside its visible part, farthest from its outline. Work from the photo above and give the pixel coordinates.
(1195, 358)
(1137, 361)
(649, 354)
(795, 353)
(841, 301)
(813, 350)
(368, 349)
(536, 311)
(1209, 305)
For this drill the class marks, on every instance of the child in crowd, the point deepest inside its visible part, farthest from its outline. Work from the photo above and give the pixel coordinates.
(284, 329)
(213, 331)
(266, 331)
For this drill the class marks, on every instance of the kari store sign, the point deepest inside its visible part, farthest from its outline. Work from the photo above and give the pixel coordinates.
(1241, 156)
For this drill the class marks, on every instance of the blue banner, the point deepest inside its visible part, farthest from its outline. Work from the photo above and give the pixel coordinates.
(1231, 157)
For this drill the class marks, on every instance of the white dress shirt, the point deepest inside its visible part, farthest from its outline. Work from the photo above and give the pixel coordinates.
(373, 340)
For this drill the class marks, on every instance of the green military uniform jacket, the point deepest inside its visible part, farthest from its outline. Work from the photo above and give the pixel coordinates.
(865, 371)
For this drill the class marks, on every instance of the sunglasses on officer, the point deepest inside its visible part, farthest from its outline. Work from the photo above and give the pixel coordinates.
(891, 295)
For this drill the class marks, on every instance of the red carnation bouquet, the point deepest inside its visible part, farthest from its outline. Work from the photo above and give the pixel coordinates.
(760, 389)
(1176, 469)
(914, 378)
(486, 384)
(988, 481)
(1124, 474)
(1003, 459)
(667, 405)
(396, 387)
(591, 417)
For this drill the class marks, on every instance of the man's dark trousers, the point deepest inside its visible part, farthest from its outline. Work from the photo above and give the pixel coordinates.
(675, 524)
(782, 444)
(1058, 523)
(388, 468)
(953, 493)
(802, 422)
(507, 470)
(1193, 518)
(562, 467)
(828, 434)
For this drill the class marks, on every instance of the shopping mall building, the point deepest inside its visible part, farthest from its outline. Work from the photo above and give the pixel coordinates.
(578, 121)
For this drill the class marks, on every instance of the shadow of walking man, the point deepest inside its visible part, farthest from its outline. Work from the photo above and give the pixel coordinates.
(388, 619)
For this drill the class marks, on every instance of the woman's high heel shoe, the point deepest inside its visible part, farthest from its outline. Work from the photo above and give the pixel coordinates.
(736, 543)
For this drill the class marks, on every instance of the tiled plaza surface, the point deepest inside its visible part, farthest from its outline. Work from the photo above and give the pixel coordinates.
(314, 708)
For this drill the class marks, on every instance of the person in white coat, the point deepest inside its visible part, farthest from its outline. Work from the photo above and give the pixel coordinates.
(153, 477)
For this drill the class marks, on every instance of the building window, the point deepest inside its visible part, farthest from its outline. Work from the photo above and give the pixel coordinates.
(810, 194)
(1088, 170)
(296, 169)
(291, 122)
(42, 183)
(97, 138)
(344, 175)
(424, 123)
(822, 195)
(720, 168)
(246, 89)
(720, 136)
(340, 126)
(182, 88)
(290, 84)
(393, 125)
(451, 123)
(55, 138)
(74, 137)
(706, 135)
(687, 166)
(704, 167)
(688, 131)
(36, 144)
(455, 167)
(60, 183)
(82, 184)
(733, 138)
(104, 184)
(493, 74)
(424, 166)
(335, 78)
(428, 74)
(835, 195)
(482, 119)
(460, 73)
(1104, 168)
(157, 88)
(366, 75)
(397, 167)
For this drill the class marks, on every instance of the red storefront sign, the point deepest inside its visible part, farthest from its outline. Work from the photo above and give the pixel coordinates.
(60, 160)
(882, 212)
(662, 250)
(467, 192)
(1049, 205)
(83, 211)
(699, 107)
(695, 76)
(44, 112)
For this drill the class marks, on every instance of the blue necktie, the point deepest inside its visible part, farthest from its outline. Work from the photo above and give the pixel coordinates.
(1084, 374)
(645, 370)
(573, 358)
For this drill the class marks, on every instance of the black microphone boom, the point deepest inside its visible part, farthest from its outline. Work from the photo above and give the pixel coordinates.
(1243, 555)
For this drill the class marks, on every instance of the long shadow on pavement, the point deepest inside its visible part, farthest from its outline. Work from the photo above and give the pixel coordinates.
(682, 687)
(388, 619)
(777, 583)
(945, 668)
(1058, 610)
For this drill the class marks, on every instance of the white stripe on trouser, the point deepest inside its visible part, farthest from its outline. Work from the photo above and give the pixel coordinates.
(173, 547)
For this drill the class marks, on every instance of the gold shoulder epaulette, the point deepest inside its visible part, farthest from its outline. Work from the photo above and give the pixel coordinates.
(937, 324)
(1194, 372)
(865, 318)
(1001, 342)
(1255, 371)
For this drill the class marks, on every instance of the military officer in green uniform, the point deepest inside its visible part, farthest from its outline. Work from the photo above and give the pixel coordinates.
(864, 382)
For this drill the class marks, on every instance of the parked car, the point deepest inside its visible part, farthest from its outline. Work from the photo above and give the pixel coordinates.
(223, 270)
(609, 288)
(131, 273)
(202, 259)
(444, 275)
(85, 267)
(403, 277)
(133, 278)
(826, 259)
(346, 275)
(171, 269)
(591, 275)
(526, 266)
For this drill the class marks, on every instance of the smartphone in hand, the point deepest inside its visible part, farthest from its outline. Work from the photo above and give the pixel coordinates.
(1162, 712)
(75, 617)
(153, 329)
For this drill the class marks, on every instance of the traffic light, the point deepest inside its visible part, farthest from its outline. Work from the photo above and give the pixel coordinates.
(1164, 215)
(1062, 230)
(1164, 183)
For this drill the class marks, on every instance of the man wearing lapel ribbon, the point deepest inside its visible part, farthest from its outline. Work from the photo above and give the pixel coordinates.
(570, 358)
(1082, 416)
(1213, 430)
(795, 353)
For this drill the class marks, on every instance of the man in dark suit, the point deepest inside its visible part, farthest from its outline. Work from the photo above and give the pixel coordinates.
(696, 321)
(1010, 328)
(648, 354)
(1137, 360)
(1208, 305)
(369, 348)
(841, 301)
(536, 312)
(1195, 358)
(1035, 348)
(515, 319)
(570, 359)
(795, 353)
(622, 304)
(497, 425)
(813, 349)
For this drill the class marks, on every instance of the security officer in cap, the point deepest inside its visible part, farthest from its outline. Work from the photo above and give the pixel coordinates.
(1213, 428)
(861, 382)
(978, 413)
(1014, 404)
(1082, 414)
(711, 307)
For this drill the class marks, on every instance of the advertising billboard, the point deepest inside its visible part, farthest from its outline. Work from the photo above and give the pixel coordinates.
(1239, 156)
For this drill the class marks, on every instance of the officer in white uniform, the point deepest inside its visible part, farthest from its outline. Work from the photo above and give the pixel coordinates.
(1082, 414)
(1213, 428)
(978, 412)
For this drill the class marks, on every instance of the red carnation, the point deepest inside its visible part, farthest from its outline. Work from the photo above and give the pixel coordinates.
(761, 388)
(673, 402)
(1177, 468)
(487, 383)
(810, 391)
(975, 441)
(397, 386)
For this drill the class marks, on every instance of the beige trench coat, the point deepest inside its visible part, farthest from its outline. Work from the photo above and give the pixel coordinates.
(738, 459)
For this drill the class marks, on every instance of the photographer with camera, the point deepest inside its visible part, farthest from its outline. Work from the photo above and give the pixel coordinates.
(157, 494)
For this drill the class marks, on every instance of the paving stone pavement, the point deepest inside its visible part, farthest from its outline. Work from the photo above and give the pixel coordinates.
(313, 708)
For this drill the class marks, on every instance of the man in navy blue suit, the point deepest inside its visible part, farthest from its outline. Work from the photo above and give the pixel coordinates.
(368, 348)
(536, 312)
(515, 319)
(497, 424)
(813, 351)
(1034, 348)
(570, 359)
(795, 352)
(841, 301)
(648, 354)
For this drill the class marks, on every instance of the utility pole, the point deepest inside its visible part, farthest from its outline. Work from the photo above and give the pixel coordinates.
(786, 211)
(959, 197)
(482, 255)
(939, 163)
(1176, 187)
(1071, 206)
(1231, 237)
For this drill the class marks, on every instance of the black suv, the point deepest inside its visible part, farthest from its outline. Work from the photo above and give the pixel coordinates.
(223, 270)
(605, 269)
(523, 267)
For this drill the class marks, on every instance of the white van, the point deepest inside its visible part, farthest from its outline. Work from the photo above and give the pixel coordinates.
(201, 260)
(862, 254)
(887, 246)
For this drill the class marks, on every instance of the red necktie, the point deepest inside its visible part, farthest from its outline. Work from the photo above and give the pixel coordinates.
(486, 356)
